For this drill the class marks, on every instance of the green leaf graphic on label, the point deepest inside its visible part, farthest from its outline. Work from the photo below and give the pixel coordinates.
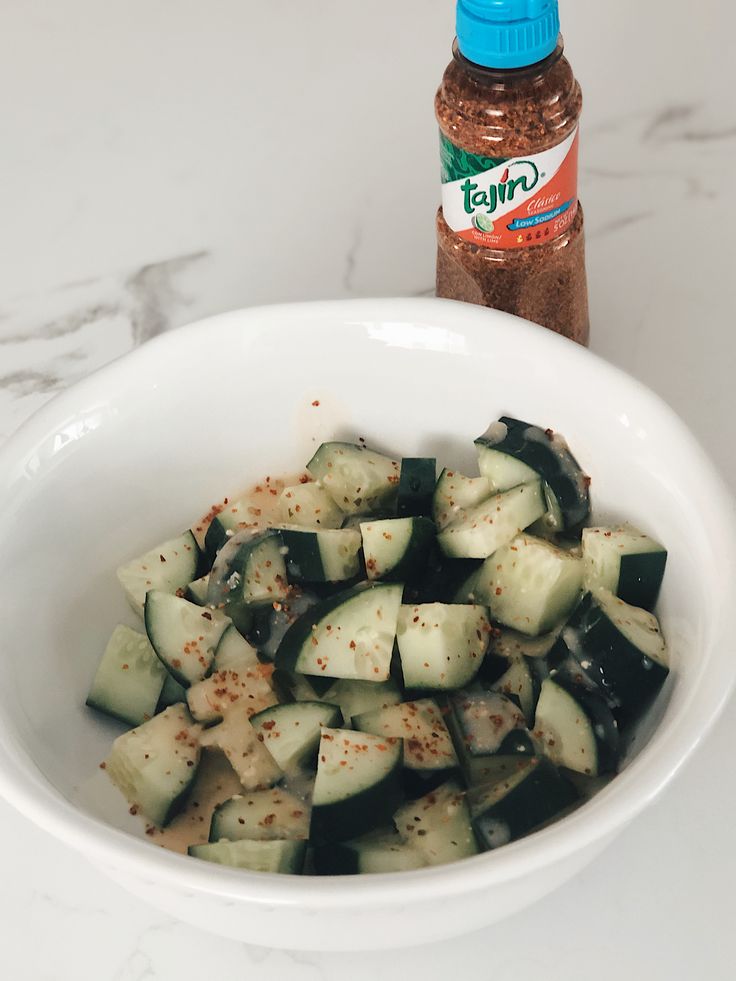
(457, 163)
(483, 223)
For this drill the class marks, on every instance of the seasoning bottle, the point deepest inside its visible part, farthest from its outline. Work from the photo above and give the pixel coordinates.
(510, 229)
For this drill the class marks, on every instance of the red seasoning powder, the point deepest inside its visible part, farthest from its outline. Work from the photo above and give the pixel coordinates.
(510, 229)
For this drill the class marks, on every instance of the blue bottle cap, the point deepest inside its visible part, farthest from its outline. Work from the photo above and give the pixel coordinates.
(507, 33)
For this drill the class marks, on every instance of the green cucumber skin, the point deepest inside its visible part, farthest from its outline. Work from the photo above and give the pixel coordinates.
(214, 539)
(441, 579)
(423, 537)
(336, 859)
(573, 501)
(541, 796)
(628, 680)
(355, 816)
(304, 556)
(417, 480)
(640, 578)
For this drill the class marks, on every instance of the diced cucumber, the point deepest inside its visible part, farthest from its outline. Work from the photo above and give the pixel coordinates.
(291, 733)
(196, 592)
(356, 697)
(233, 517)
(624, 561)
(501, 470)
(358, 784)
(620, 649)
(575, 726)
(522, 682)
(456, 493)
(238, 740)
(530, 585)
(479, 531)
(438, 825)
(416, 487)
(285, 857)
(350, 635)
(234, 653)
(397, 549)
(249, 570)
(427, 743)
(376, 852)
(264, 815)
(310, 506)
(358, 479)
(154, 765)
(168, 567)
(325, 555)
(183, 635)
(489, 732)
(172, 693)
(542, 453)
(248, 684)
(271, 623)
(441, 645)
(129, 678)
(519, 804)
(509, 643)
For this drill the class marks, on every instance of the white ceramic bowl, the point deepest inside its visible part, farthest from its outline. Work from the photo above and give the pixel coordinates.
(132, 454)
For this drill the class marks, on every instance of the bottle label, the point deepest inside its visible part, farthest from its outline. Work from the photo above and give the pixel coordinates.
(510, 203)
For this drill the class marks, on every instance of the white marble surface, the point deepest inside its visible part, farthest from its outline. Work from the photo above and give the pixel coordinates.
(163, 160)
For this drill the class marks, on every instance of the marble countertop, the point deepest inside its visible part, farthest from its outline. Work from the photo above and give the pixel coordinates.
(163, 161)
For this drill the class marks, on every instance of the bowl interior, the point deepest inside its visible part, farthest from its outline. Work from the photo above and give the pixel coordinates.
(138, 451)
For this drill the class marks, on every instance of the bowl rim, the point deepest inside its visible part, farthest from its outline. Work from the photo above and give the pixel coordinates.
(22, 784)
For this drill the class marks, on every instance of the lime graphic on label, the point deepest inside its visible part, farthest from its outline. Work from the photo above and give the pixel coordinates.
(484, 223)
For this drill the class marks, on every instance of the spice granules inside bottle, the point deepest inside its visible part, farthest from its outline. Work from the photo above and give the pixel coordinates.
(503, 131)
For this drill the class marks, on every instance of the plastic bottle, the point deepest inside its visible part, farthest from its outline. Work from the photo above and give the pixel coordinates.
(510, 229)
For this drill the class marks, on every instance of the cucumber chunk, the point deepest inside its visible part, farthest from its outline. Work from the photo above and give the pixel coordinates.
(286, 857)
(438, 825)
(531, 796)
(356, 697)
(350, 635)
(397, 549)
(378, 851)
(489, 732)
(310, 506)
(171, 694)
(427, 743)
(530, 585)
(155, 764)
(575, 726)
(196, 592)
(441, 645)
(326, 555)
(456, 493)
(249, 571)
(238, 740)
(358, 479)
(291, 733)
(539, 453)
(624, 561)
(264, 815)
(417, 481)
(358, 785)
(247, 684)
(183, 635)
(479, 531)
(167, 568)
(620, 649)
(129, 678)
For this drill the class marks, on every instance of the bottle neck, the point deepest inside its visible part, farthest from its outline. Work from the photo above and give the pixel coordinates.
(496, 76)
